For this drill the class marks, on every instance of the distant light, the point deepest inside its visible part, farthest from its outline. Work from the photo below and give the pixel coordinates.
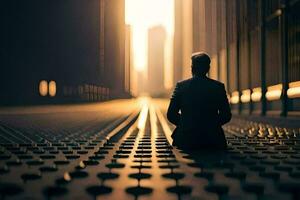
(235, 98)
(294, 90)
(246, 96)
(256, 94)
(274, 92)
(43, 88)
(52, 88)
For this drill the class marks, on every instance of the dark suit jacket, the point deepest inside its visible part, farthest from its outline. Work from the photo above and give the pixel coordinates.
(199, 107)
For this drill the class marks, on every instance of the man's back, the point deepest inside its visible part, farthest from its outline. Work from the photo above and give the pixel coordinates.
(204, 108)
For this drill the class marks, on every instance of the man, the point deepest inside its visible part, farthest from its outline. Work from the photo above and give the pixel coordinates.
(199, 107)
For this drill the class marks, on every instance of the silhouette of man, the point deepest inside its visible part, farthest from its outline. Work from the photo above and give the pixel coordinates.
(199, 107)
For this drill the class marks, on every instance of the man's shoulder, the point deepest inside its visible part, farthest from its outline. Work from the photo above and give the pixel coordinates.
(184, 82)
(209, 81)
(215, 82)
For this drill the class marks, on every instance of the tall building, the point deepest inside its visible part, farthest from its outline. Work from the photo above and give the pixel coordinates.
(131, 75)
(177, 52)
(128, 59)
(56, 51)
(156, 57)
(115, 46)
(183, 39)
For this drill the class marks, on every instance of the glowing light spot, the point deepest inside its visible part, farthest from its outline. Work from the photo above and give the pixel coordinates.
(274, 92)
(294, 90)
(235, 97)
(81, 165)
(52, 88)
(256, 94)
(43, 88)
(246, 96)
(67, 176)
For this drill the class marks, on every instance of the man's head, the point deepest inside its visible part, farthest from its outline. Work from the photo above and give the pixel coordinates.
(200, 63)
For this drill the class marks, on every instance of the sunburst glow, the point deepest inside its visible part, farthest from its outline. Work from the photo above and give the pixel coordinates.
(143, 14)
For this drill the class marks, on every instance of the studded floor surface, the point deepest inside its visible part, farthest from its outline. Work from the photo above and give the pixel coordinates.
(121, 150)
